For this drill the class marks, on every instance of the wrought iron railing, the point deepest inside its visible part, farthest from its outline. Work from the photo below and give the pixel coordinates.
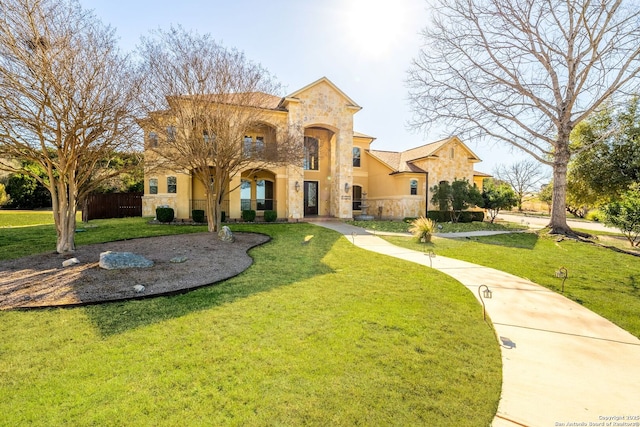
(258, 204)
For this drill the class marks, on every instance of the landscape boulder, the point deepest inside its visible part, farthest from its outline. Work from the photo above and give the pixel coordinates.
(119, 260)
(69, 262)
(226, 235)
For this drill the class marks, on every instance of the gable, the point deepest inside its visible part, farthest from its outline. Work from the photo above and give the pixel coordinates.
(320, 87)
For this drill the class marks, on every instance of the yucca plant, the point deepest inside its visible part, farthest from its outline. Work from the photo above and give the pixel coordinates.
(422, 228)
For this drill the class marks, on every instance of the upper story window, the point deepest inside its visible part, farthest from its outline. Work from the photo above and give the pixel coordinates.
(172, 184)
(311, 155)
(206, 137)
(252, 145)
(171, 133)
(413, 184)
(452, 152)
(356, 157)
(153, 139)
(153, 186)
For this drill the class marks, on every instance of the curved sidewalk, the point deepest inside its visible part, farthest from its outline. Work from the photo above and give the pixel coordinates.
(561, 362)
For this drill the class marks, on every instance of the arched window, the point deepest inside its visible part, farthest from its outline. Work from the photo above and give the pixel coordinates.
(245, 195)
(356, 198)
(413, 187)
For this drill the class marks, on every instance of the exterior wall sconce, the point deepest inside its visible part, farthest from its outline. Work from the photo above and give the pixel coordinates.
(297, 186)
(346, 187)
(486, 293)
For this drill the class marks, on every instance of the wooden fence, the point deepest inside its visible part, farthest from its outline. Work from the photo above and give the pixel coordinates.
(112, 205)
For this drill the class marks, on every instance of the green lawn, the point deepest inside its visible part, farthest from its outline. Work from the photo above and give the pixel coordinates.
(446, 227)
(604, 281)
(17, 218)
(317, 334)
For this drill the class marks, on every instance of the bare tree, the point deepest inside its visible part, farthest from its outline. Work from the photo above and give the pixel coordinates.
(525, 72)
(65, 100)
(201, 100)
(524, 177)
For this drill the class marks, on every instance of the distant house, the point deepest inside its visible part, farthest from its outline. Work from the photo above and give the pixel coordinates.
(340, 173)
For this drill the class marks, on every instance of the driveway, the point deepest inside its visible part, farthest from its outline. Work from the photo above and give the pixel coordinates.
(541, 222)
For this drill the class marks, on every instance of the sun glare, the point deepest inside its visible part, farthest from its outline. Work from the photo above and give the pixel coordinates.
(374, 27)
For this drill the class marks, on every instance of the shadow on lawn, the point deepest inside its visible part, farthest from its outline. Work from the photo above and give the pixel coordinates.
(286, 259)
(512, 240)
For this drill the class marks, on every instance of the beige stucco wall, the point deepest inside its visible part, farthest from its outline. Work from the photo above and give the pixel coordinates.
(179, 201)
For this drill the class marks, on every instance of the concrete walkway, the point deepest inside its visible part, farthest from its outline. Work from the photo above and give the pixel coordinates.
(562, 363)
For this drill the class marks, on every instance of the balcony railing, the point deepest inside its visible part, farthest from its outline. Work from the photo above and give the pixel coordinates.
(258, 204)
(202, 205)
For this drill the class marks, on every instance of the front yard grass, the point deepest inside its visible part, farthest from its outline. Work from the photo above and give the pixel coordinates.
(604, 281)
(323, 333)
(445, 227)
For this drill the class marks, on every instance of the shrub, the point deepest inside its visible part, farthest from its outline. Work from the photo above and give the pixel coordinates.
(270, 216)
(248, 215)
(595, 215)
(422, 228)
(465, 216)
(439, 216)
(471, 216)
(197, 215)
(164, 214)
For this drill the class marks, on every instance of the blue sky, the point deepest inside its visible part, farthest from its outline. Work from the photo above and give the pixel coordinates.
(363, 46)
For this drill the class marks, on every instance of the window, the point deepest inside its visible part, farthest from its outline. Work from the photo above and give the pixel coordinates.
(252, 146)
(452, 151)
(414, 186)
(356, 157)
(205, 135)
(172, 184)
(153, 186)
(171, 133)
(357, 198)
(245, 195)
(153, 139)
(310, 153)
(247, 149)
(264, 195)
(259, 144)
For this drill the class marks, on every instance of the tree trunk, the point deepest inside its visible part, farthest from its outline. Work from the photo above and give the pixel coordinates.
(210, 211)
(558, 223)
(64, 215)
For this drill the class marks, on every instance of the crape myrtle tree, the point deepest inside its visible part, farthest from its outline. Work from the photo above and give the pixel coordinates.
(65, 104)
(201, 99)
(525, 72)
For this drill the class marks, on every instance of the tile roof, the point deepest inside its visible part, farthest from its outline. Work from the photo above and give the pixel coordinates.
(403, 161)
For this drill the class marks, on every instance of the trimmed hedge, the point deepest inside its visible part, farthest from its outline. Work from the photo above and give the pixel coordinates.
(465, 216)
(270, 216)
(248, 215)
(197, 215)
(165, 214)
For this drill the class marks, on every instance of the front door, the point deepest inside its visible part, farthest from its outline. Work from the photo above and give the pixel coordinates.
(310, 198)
